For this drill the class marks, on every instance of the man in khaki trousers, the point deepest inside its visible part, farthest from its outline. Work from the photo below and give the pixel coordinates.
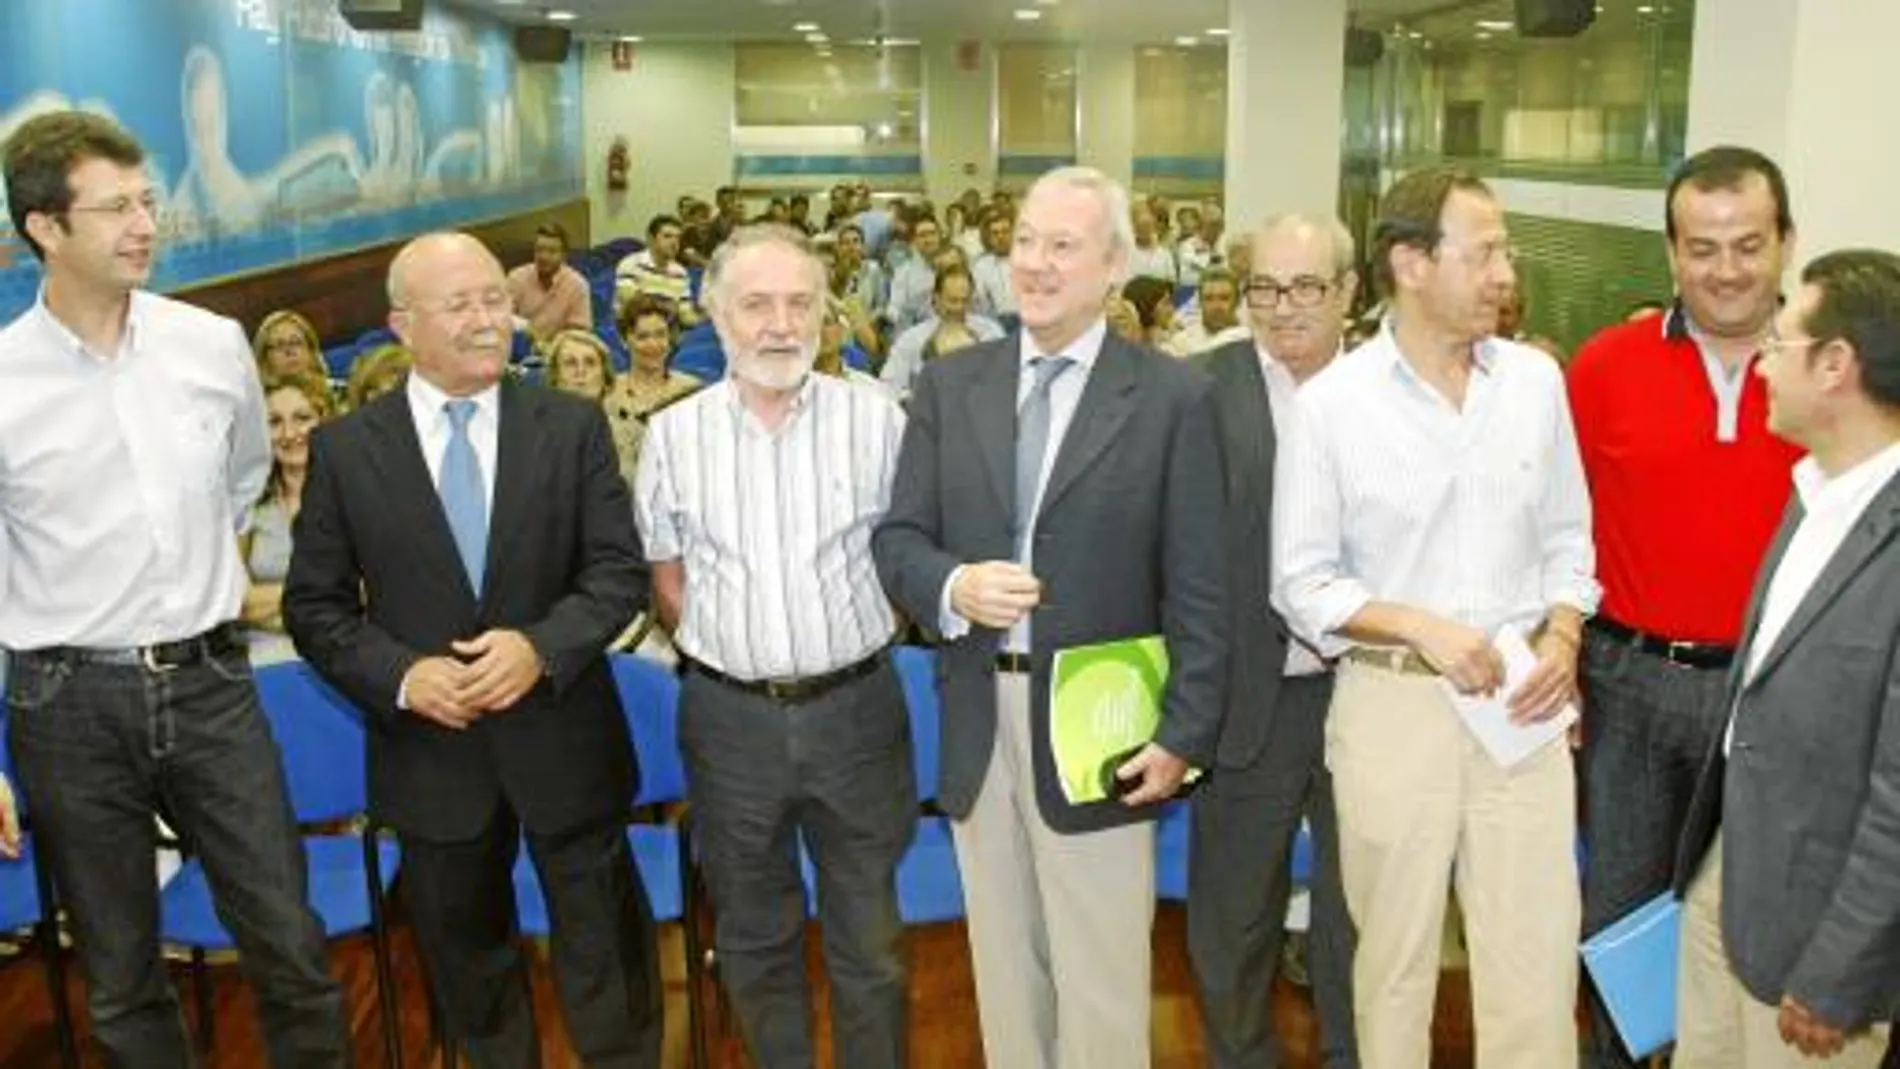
(1431, 499)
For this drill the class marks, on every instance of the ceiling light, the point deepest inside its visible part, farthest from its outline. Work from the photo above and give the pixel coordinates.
(1494, 24)
(1027, 14)
(631, 38)
(804, 27)
(824, 53)
(1484, 35)
(1217, 31)
(1187, 42)
(1645, 10)
(1047, 3)
(560, 16)
(816, 38)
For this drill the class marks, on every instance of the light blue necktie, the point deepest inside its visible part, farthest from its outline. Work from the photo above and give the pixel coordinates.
(464, 500)
(1032, 442)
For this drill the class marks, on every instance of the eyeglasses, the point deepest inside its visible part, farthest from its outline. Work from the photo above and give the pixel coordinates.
(123, 207)
(493, 301)
(1306, 291)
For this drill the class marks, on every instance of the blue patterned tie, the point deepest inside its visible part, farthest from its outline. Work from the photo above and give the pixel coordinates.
(464, 500)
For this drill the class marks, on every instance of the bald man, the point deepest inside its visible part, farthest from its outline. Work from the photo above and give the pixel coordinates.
(464, 555)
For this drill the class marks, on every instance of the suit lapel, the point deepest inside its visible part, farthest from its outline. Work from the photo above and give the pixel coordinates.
(1868, 536)
(405, 472)
(1260, 436)
(993, 417)
(1106, 403)
(516, 445)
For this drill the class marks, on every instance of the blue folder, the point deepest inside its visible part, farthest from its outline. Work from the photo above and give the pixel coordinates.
(1633, 964)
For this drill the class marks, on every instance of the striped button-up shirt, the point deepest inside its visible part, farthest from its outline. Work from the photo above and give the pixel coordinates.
(1385, 492)
(773, 528)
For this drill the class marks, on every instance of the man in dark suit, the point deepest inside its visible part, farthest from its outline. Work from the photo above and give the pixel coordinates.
(1790, 860)
(1054, 489)
(476, 648)
(1270, 767)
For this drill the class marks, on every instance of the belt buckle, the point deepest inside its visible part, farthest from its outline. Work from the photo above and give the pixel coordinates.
(1677, 651)
(148, 656)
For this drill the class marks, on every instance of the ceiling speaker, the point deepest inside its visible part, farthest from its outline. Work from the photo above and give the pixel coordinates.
(381, 15)
(1554, 18)
(542, 44)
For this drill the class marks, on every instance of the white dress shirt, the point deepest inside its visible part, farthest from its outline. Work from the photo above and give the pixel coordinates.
(1155, 261)
(992, 296)
(126, 478)
(906, 359)
(773, 528)
(1830, 510)
(1283, 400)
(427, 406)
(1385, 492)
(1065, 394)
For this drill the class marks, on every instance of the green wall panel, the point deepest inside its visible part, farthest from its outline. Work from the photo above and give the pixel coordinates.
(1580, 277)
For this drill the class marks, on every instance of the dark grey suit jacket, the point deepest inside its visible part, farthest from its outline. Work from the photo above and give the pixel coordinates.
(1256, 634)
(1129, 541)
(1808, 800)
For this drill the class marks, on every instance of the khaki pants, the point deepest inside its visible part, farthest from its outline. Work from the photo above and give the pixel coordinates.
(1421, 804)
(1060, 925)
(1719, 1025)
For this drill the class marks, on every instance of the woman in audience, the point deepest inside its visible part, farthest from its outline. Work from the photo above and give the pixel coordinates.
(286, 344)
(578, 363)
(374, 374)
(650, 384)
(296, 404)
(1153, 299)
(1125, 321)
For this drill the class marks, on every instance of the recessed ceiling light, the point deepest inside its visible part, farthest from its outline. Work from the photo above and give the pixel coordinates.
(631, 38)
(817, 38)
(1187, 41)
(1495, 24)
(804, 27)
(1217, 31)
(1027, 14)
(1415, 35)
(560, 16)
(1484, 35)
(1645, 10)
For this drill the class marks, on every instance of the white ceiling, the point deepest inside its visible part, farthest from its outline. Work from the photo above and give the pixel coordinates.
(844, 20)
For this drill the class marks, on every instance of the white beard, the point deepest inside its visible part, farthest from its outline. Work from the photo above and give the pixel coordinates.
(774, 374)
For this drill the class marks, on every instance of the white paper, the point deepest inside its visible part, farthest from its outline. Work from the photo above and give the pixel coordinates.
(1489, 718)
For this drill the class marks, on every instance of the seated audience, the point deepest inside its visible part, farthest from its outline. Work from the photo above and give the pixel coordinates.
(1219, 323)
(549, 295)
(374, 374)
(650, 383)
(952, 327)
(1151, 257)
(286, 344)
(1153, 299)
(657, 270)
(831, 348)
(1125, 321)
(295, 405)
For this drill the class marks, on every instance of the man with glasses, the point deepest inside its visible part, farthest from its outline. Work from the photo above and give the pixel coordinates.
(133, 432)
(1430, 500)
(1687, 485)
(464, 555)
(1269, 768)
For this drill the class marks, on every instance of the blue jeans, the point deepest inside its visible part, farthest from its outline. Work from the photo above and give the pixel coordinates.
(100, 748)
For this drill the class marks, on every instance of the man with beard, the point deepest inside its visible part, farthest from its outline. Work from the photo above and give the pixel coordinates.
(757, 496)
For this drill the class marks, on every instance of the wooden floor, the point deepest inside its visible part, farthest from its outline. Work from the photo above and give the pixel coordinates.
(943, 1010)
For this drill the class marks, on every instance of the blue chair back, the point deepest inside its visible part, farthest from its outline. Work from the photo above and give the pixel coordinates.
(340, 358)
(6, 754)
(1183, 294)
(650, 700)
(523, 347)
(917, 670)
(375, 336)
(609, 336)
(321, 737)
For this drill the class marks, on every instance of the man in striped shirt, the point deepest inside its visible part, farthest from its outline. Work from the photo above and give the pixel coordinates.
(756, 498)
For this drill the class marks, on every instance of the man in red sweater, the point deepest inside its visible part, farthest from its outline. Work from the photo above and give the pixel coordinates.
(1687, 486)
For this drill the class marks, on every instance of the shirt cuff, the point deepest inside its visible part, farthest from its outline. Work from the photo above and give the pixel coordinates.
(949, 624)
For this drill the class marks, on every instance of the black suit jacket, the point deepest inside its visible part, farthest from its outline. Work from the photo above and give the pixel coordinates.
(1257, 634)
(375, 584)
(1808, 799)
(1129, 542)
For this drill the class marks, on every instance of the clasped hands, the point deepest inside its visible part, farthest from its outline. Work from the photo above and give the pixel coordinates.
(486, 674)
(999, 594)
(1471, 663)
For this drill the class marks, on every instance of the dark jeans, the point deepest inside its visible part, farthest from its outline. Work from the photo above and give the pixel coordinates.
(1648, 727)
(99, 748)
(606, 969)
(836, 771)
(1244, 824)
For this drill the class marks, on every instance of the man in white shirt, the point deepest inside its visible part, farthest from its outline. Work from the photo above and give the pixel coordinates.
(656, 270)
(990, 270)
(1219, 322)
(1270, 768)
(1151, 257)
(1431, 497)
(1789, 861)
(757, 496)
(132, 429)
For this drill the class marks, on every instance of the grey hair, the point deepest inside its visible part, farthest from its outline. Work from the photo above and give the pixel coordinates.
(1114, 200)
(1338, 238)
(750, 236)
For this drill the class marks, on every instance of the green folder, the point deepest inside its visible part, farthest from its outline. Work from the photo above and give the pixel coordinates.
(1104, 700)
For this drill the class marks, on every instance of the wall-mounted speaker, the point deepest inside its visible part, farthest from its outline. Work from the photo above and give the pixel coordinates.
(542, 44)
(1554, 18)
(1363, 47)
(381, 15)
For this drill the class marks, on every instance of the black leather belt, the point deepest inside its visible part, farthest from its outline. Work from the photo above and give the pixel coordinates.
(1017, 663)
(158, 657)
(1686, 654)
(793, 691)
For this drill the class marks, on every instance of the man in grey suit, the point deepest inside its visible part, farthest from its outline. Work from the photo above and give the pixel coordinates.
(1270, 766)
(1790, 860)
(1054, 489)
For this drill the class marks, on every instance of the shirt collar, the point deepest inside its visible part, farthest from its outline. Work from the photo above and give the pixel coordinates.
(1083, 350)
(1484, 352)
(800, 400)
(1820, 494)
(1274, 366)
(62, 334)
(426, 401)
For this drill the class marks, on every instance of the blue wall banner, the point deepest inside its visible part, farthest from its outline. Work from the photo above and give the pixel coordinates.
(277, 133)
